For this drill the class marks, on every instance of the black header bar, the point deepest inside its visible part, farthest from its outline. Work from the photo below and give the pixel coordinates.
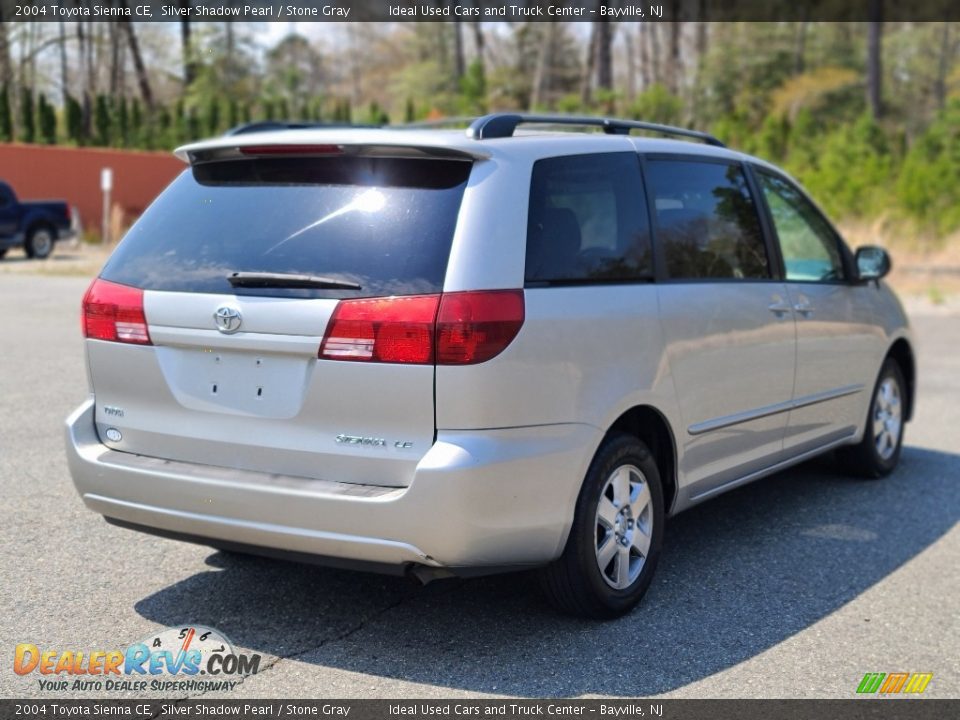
(506, 709)
(481, 10)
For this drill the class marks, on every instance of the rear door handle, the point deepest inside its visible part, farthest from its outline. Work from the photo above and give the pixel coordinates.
(779, 308)
(804, 308)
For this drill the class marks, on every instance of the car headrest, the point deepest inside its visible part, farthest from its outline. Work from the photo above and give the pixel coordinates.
(556, 245)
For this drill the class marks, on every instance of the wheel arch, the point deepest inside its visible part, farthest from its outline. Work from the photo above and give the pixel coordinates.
(37, 223)
(650, 426)
(902, 353)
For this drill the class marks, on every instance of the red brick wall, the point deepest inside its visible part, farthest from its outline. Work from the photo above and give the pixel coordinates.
(39, 172)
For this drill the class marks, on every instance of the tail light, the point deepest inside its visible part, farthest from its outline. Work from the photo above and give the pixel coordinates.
(460, 328)
(69, 213)
(392, 330)
(114, 312)
(473, 327)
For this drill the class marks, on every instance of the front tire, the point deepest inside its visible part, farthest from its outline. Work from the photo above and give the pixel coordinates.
(39, 243)
(614, 544)
(878, 453)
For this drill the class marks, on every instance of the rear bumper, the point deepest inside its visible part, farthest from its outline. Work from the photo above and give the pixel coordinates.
(479, 501)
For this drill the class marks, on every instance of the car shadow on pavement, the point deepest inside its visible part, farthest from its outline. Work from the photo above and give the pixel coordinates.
(58, 255)
(739, 575)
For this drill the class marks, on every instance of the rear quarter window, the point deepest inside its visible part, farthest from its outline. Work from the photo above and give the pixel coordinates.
(587, 221)
(386, 224)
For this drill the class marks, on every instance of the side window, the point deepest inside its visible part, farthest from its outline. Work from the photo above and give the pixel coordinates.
(809, 246)
(706, 220)
(4, 198)
(587, 222)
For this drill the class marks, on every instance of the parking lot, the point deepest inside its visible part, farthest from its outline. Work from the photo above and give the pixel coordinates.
(794, 586)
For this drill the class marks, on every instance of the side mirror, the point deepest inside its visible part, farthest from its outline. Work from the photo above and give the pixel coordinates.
(872, 262)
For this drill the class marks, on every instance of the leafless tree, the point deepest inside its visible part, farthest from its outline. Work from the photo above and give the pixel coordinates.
(673, 65)
(64, 74)
(479, 42)
(643, 50)
(656, 66)
(605, 54)
(142, 78)
(6, 65)
(943, 66)
(189, 62)
(589, 66)
(874, 58)
(459, 65)
(540, 85)
(631, 66)
(800, 51)
(116, 59)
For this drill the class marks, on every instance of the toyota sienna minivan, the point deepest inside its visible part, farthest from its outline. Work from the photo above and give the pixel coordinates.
(452, 353)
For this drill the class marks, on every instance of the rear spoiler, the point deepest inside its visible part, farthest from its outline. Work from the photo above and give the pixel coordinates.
(310, 144)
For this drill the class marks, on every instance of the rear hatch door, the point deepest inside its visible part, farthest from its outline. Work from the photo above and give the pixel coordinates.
(232, 377)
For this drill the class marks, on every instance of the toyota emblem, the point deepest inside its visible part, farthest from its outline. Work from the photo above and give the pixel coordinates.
(228, 319)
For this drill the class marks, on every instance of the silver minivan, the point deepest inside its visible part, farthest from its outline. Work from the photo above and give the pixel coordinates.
(452, 353)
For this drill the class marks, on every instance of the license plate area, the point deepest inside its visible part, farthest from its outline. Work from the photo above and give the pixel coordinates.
(246, 383)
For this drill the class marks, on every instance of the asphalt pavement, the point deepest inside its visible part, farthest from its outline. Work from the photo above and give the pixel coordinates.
(794, 586)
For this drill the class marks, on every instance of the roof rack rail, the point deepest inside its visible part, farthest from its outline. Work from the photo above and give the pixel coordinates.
(269, 125)
(503, 125)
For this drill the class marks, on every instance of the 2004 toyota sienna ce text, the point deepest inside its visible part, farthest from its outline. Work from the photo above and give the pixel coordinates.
(453, 353)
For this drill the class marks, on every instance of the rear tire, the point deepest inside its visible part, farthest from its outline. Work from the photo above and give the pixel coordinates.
(39, 243)
(614, 544)
(878, 453)
(3, 251)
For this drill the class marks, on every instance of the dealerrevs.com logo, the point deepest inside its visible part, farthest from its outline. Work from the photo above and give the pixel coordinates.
(193, 658)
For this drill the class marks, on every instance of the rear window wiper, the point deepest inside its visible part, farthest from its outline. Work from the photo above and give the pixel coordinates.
(287, 280)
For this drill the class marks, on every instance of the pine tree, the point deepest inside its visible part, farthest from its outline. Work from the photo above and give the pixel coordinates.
(377, 115)
(74, 115)
(102, 121)
(123, 124)
(180, 129)
(213, 116)
(48, 121)
(28, 128)
(473, 88)
(6, 117)
(136, 124)
(194, 131)
(342, 112)
(165, 122)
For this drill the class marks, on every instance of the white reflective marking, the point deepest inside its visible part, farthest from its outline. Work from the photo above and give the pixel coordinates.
(369, 201)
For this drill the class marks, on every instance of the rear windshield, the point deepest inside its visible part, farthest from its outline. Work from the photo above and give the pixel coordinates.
(383, 223)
